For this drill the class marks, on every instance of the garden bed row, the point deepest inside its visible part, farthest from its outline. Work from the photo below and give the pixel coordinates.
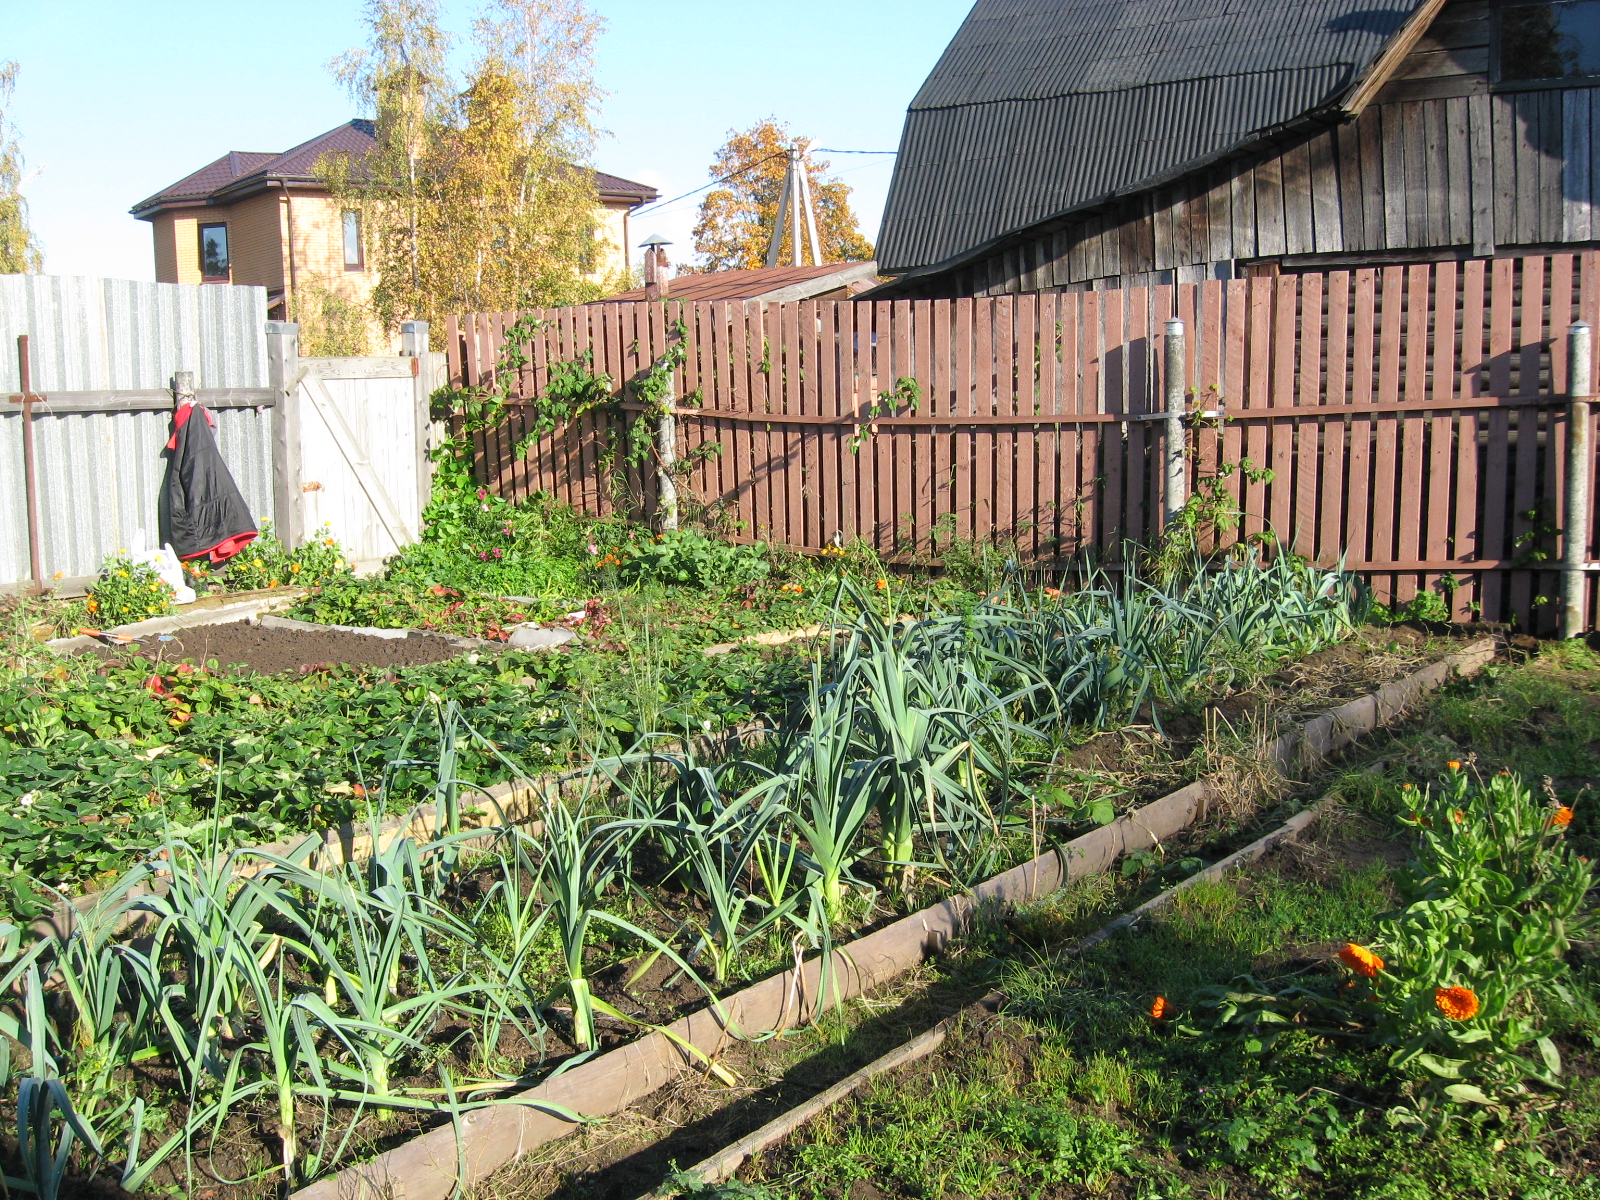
(433, 1165)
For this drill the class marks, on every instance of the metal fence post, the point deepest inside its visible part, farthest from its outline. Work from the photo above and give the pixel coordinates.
(1177, 474)
(1580, 454)
(283, 366)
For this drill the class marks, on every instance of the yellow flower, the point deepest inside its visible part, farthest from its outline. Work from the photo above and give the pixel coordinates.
(1360, 960)
(294, 568)
(1457, 1003)
(122, 574)
(152, 608)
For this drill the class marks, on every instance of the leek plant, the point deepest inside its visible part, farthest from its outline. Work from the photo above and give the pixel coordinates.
(722, 840)
(574, 861)
(369, 925)
(833, 791)
(210, 923)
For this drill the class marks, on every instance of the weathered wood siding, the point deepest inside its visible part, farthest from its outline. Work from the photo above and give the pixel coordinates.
(1443, 164)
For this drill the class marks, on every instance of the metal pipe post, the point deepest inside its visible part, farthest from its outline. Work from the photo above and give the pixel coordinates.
(30, 470)
(1580, 495)
(1177, 467)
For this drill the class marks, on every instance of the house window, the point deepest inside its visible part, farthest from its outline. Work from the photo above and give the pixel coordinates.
(1559, 40)
(214, 252)
(352, 242)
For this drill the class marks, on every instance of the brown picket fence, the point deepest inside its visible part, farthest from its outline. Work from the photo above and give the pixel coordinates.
(1412, 418)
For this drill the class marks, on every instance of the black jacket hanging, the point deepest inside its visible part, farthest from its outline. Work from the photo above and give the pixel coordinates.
(201, 509)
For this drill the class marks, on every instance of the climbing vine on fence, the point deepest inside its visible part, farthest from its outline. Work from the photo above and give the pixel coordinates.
(574, 390)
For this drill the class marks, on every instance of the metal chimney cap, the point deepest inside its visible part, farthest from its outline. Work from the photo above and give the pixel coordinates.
(656, 239)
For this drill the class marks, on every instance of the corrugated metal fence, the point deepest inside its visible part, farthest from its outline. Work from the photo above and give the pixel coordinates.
(104, 352)
(1413, 417)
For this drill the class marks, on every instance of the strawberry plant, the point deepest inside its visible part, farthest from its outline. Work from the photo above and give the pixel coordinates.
(685, 558)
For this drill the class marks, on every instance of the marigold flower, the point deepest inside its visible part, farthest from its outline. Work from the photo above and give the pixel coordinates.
(1453, 765)
(1561, 818)
(1052, 591)
(294, 568)
(1159, 1008)
(1457, 1003)
(1459, 816)
(1359, 959)
(883, 585)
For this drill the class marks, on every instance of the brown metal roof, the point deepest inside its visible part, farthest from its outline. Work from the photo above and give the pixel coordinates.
(238, 173)
(759, 284)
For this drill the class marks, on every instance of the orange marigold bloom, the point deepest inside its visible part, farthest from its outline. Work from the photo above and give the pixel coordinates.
(1159, 1008)
(1562, 817)
(1453, 765)
(1052, 591)
(1459, 816)
(1360, 960)
(1457, 1003)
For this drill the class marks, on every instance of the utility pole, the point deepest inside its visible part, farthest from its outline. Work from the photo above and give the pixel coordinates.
(796, 211)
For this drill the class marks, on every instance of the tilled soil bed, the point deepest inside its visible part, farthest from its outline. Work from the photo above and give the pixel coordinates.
(271, 651)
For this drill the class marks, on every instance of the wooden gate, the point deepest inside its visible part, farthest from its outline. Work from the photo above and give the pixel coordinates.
(351, 450)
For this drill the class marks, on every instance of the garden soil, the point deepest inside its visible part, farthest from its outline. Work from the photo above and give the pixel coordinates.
(271, 651)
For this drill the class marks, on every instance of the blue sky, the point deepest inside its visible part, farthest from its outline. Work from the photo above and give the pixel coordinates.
(116, 100)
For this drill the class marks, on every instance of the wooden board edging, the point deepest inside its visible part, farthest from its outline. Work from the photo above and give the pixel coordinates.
(433, 1165)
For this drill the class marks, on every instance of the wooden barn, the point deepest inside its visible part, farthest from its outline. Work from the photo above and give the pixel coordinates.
(1070, 145)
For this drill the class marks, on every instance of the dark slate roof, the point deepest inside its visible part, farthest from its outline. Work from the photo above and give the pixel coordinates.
(239, 173)
(1038, 107)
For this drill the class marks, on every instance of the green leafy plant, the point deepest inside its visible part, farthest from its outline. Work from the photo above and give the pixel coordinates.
(685, 558)
(1494, 900)
(268, 563)
(1452, 984)
(127, 591)
(906, 393)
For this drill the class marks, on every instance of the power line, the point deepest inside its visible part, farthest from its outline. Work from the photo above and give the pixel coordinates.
(713, 183)
(664, 204)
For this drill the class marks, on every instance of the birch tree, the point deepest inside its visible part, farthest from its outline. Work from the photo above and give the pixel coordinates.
(477, 197)
(20, 252)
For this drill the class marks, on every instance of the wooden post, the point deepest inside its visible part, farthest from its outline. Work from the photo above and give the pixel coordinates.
(182, 389)
(30, 472)
(667, 454)
(414, 344)
(283, 363)
(1177, 394)
(1580, 452)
